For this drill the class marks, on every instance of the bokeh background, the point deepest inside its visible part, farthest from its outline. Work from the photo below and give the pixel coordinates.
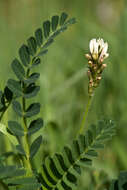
(64, 80)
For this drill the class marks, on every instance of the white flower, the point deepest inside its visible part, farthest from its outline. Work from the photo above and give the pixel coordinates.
(94, 48)
(101, 44)
(104, 54)
(98, 49)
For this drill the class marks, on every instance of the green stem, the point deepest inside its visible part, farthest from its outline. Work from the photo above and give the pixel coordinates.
(85, 115)
(27, 161)
(26, 143)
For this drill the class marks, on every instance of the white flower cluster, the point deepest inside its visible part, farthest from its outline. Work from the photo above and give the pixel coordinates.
(98, 49)
(98, 52)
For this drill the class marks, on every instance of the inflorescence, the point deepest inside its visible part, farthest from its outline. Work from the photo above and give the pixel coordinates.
(98, 52)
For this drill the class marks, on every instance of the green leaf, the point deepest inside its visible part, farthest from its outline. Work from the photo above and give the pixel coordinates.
(120, 183)
(122, 180)
(98, 146)
(42, 52)
(88, 137)
(36, 61)
(85, 162)
(57, 32)
(15, 128)
(15, 87)
(114, 185)
(8, 94)
(76, 149)
(23, 180)
(39, 36)
(91, 153)
(104, 137)
(1, 107)
(20, 150)
(1, 94)
(10, 171)
(71, 21)
(55, 20)
(31, 91)
(24, 55)
(1, 101)
(63, 18)
(81, 143)
(23, 183)
(67, 156)
(46, 27)
(61, 170)
(34, 186)
(6, 155)
(32, 78)
(51, 168)
(18, 69)
(35, 146)
(17, 107)
(48, 43)
(32, 110)
(57, 163)
(32, 45)
(11, 138)
(35, 126)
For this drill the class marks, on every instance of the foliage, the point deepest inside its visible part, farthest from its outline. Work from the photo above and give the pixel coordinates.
(121, 182)
(62, 170)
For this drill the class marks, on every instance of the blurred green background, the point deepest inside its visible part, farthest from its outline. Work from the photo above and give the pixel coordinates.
(64, 80)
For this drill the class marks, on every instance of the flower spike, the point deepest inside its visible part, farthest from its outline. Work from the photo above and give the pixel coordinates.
(98, 53)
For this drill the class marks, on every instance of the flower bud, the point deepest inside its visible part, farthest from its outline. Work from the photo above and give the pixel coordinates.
(99, 78)
(104, 65)
(90, 63)
(88, 56)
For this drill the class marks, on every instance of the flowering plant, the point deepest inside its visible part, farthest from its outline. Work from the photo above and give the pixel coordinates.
(61, 170)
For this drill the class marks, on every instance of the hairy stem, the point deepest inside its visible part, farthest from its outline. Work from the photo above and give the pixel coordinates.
(85, 116)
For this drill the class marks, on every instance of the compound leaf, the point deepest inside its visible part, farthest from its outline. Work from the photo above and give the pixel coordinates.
(62, 170)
